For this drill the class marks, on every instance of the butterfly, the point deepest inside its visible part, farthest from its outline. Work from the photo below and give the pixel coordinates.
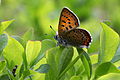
(68, 32)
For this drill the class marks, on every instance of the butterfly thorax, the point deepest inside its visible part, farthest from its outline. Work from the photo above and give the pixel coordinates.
(61, 41)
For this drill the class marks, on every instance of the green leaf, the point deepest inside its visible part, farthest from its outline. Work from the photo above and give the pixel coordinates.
(44, 68)
(32, 50)
(69, 66)
(75, 78)
(105, 68)
(109, 41)
(2, 66)
(65, 58)
(3, 42)
(46, 45)
(13, 52)
(110, 76)
(4, 25)
(51, 60)
(86, 62)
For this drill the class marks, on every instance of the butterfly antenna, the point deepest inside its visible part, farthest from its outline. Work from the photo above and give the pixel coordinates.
(52, 28)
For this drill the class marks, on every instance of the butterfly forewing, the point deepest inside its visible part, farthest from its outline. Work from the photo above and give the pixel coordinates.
(78, 37)
(68, 21)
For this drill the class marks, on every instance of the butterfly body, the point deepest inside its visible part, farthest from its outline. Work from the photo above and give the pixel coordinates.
(69, 34)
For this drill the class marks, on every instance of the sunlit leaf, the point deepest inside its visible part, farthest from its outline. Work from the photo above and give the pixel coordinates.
(32, 50)
(105, 68)
(4, 25)
(110, 76)
(46, 45)
(109, 41)
(13, 52)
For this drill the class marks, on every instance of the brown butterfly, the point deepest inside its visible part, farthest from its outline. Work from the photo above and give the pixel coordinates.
(69, 34)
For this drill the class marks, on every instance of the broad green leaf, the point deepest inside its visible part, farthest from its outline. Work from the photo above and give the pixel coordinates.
(75, 78)
(51, 60)
(65, 58)
(110, 76)
(2, 66)
(4, 25)
(109, 41)
(105, 68)
(13, 52)
(32, 50)
(44, 68)
(86, 62)
(46, 45)
(3, 42)
(64, 62)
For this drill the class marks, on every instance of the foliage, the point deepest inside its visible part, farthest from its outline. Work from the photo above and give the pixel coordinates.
(33, 54)
(43, 60)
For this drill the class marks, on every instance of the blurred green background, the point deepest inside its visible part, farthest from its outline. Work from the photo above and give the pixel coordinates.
(36, 16)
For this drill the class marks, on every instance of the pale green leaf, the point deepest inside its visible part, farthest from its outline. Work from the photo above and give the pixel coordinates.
(32, 50)
(109, 41)
(13, 52)
(4, 25)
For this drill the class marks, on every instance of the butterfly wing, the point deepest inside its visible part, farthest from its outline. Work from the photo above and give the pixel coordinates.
(68, 21)
(78, 38)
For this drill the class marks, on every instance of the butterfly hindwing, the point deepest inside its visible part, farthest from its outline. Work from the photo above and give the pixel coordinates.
(78, 38)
